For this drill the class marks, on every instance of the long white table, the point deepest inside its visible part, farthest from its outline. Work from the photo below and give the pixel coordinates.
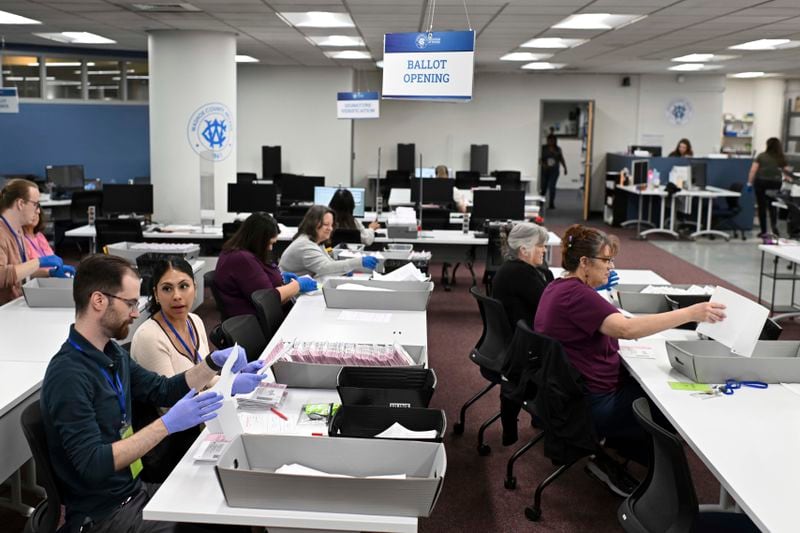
(308, 320)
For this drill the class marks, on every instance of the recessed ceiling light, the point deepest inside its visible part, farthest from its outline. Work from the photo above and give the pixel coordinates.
(525, 56)
(693, 67)
(349, 54)
(747, 75)
(597, 21)
(553, 42)
(11, 18)
(337, 40)
(62, 64)
(701, 58)
(318, 19)
(766, 44)
(245, 59)
(379, 64)
(543, 65)
(76, 37)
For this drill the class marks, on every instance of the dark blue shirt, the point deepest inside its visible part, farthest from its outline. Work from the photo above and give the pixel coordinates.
(82, 419)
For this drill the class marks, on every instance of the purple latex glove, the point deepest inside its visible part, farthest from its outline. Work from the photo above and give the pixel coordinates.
(220, 356)
(254, 367)
(191, 410)
(246, 383)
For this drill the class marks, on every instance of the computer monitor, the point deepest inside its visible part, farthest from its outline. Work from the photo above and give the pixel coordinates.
(639, 172)
(299, 188)
(323, 195)
(654, 151)
(498, 205)
(699, 176)
(434, 191)
(65, 176)
(126, 199)
(251, 198)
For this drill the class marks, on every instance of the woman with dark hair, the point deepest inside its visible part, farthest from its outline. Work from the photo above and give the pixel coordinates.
(551, 158)
(342, 204)
(682, 149)
(36, 244)
(766, 174)
(306, 254)
(572, 312)
(245, 266)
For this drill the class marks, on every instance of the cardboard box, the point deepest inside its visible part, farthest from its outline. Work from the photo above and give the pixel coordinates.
(246, 473)
(405, 295)
(711, 362)
(48, 292)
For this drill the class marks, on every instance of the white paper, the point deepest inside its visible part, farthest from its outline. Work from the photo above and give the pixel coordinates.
(358, 287)
(669, 289)
(264, 424)
(210, 450)
(637, 351)
(742, 326)
(360, 316)
(296, 469)
(398, 431)
(227, 420)
(399, 196)
(407, 272)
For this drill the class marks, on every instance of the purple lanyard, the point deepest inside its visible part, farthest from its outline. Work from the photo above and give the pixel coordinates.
(192, 336)
(20, 244)
(35, 246)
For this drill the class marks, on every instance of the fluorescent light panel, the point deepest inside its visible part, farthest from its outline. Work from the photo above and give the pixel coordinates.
(76, 37)
(337, 40)
(746, 75)
(597, 21)
(701, 58)
(543, 65)
(11, 18)
(318, 19)
(552, 42)
(525, 56)
(245, 59)
(693, 67)
(348, 54)
(766, 44)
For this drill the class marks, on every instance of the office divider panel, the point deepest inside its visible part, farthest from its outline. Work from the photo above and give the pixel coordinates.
(405, 157)
(479, 158)
(270, 162)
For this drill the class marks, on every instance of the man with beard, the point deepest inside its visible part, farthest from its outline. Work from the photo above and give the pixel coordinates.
(86, 404)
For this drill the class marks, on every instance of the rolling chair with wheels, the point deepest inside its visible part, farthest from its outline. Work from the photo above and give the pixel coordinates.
(47, 514)
(269, 311)
(489, 354)
(246, 331)
(724, 218)
(666, 500)
(229, 229)
(208, 279)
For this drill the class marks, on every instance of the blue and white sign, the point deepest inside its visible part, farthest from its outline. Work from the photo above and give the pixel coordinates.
(210, 131)
(9, 101)
(679, 111)
(429, 66)
(358, 105)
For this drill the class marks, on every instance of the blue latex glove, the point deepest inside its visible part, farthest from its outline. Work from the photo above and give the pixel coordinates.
(65, 271)
(613, 281)
(191, 410)
(307, 283)
(288, 276)
(254, 367)
(50, 261)
(369, 262)
(220, 356)
(246, 383)
(749, 187)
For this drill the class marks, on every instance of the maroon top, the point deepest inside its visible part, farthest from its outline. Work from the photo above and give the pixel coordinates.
(571, 312)
(239, 274)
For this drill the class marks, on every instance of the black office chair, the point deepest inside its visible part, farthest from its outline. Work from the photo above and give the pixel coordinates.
(245, 330)
(229, 228)
(666, 500)
(349, 236)
(246, 177)
(110, 231)
(210, 282)
(47, 514)
(489, 354)
(81, 201)
(494, 254)
(269, 311)
(508, 180)
(724, 217)
(467, 179)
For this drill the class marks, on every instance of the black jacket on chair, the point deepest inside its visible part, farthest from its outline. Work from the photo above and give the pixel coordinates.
(519, 286)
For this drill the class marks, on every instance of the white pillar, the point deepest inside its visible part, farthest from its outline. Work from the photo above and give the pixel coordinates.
(192, 112)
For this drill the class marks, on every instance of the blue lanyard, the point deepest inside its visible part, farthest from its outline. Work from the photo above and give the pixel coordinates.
(192, 337)
(20, 244)
(35, 246)
(117, 386)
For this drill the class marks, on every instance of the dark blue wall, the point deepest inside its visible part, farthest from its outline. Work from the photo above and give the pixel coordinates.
(111, 141)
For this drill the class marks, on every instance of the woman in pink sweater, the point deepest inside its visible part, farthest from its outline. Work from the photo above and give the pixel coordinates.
(36, 244)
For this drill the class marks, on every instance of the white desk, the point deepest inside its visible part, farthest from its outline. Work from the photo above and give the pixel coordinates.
(790, 253)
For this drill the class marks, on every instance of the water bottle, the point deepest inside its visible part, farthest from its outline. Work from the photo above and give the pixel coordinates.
(90, 215)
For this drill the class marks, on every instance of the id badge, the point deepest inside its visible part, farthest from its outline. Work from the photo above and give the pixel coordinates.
(136, 466)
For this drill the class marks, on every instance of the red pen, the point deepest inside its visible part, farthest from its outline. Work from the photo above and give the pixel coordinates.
(316, 434)
(278, 413)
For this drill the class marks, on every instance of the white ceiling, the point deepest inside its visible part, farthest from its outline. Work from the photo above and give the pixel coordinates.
(672, 28)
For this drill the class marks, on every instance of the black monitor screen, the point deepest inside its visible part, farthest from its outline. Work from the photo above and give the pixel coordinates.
(654, 151)
(699, 175)
(125, 199)
(65, 176)
(251, 198)
(434, 190)
(498, 205)
(640, 172)
(300, 188)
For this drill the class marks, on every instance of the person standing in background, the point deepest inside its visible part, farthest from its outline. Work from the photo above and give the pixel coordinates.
(551, 158)
(766, 174)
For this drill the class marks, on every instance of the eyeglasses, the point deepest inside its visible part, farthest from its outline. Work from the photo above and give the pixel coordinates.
(606, 260)
(36, 205)
(132, 303)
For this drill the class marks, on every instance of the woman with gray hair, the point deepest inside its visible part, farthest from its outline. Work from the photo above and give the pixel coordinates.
(524, 275)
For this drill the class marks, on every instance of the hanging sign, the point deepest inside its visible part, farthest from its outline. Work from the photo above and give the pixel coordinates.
(9, 101)
(358, 105)
(429, 66)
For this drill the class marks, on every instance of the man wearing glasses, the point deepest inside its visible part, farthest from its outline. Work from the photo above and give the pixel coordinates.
(86, 402)
(19, 204)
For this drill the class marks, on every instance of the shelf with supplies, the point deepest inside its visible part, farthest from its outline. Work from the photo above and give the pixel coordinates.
(737, 134)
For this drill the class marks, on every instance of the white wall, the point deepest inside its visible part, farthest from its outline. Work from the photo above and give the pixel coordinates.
(762, 97)
(295, 108)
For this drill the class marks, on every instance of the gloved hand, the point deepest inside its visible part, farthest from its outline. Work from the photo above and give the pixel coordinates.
(246, 383)
(749, 187)
(64, 271)
(220, 356)
(288, 277)
(307, 283)
(369, 262)
(50, 261)
(191, 410)
(253, 367)
(613, 281)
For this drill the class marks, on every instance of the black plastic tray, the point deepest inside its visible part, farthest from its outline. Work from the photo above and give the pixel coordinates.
(364, 421)
(386, 386)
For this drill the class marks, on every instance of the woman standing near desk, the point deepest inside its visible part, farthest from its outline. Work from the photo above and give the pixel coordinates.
(343, 205)
(766, 174)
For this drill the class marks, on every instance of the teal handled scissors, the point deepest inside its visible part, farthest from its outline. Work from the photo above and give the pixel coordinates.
(731, 385)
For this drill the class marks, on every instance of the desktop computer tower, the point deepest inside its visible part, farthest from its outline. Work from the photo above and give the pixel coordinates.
(479, 158)
(405, 157)
(270, 162)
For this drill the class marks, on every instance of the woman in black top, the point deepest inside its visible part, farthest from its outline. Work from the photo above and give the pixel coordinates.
(766, 173)
(551, 158)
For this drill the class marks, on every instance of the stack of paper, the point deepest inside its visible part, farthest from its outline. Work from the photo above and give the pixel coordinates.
(398, 431)
(407, 272)
(265, 396)
(669, 289)
(358, 287)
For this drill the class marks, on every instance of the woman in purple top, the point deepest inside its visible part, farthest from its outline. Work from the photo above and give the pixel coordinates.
(588, 326)
(245, 266)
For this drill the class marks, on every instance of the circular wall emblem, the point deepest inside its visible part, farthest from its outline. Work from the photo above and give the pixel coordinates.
(210, 131)
(421, 41)
(679, 111)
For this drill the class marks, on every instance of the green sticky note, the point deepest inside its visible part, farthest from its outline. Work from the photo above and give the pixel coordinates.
(693, 387)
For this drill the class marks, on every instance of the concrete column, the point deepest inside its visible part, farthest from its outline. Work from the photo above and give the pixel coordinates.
(192, 116)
